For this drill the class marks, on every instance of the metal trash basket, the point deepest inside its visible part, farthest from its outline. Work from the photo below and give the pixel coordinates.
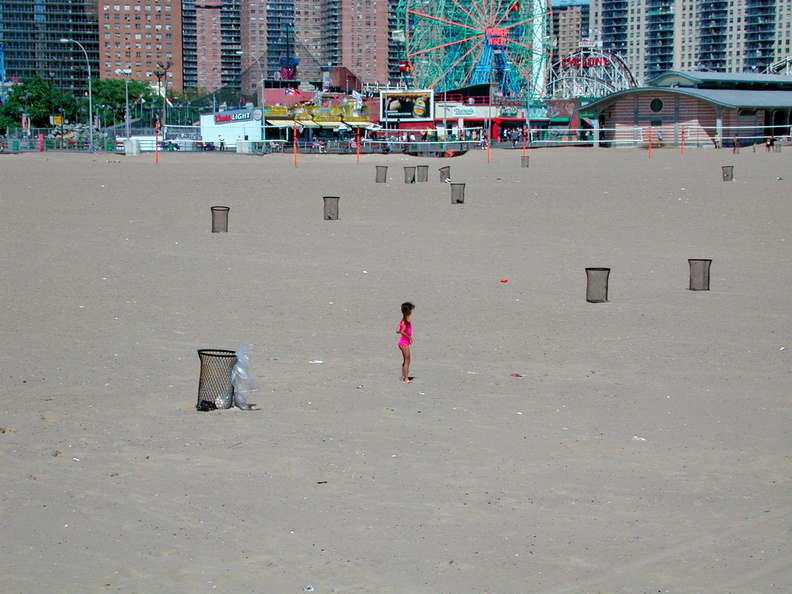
(728, 173)
(699, 274)
(409, 175)
(597, 284)
(524, 161)
(423, 173)
(215, 389)
(457, 193)
(331, 208)
(445, 174)
(220, 219)
(382, 174)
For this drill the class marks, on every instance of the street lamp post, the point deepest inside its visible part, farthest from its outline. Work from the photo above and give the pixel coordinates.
(261, 73)
(126, 74)
(90, 92)
(162, 72)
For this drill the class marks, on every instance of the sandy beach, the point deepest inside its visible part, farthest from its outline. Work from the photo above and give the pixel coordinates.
(547, 444)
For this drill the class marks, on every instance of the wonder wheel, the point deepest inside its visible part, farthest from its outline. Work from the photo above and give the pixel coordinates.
(458, 43)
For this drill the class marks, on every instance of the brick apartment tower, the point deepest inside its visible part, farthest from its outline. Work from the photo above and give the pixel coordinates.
(364, 39)
(138, 35)
(209, 36)
(320, 33)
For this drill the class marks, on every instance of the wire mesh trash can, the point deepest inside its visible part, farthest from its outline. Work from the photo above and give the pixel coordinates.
(524, 161)
(699, 274)
(331, 208)
(445, 174)
(423, 173)
(597, 284)
(215, 389)
(220, 219)
(457, 193)
(409, 175)
(728, 173)
(382, 174)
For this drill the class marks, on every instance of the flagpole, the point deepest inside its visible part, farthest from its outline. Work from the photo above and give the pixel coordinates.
(294, 134)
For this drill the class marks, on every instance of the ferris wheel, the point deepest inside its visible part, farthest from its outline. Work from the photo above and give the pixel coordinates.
(458, 43)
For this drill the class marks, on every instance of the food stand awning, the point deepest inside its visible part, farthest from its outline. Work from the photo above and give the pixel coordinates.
(281, 123)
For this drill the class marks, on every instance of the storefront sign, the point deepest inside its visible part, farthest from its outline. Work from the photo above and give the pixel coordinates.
(464, 111)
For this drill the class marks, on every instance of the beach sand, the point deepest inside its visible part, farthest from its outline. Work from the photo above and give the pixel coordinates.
(644, 445)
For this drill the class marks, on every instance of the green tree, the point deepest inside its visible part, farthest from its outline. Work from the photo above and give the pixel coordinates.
(109, 98)
(37, 98)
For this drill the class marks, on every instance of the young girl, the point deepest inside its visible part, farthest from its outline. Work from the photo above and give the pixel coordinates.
(405, 339)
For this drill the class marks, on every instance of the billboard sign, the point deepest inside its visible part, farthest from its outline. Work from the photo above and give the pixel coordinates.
(407, 106)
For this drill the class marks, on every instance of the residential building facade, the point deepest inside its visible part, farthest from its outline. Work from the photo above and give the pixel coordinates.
(570, 27)
(654, 36)
(142, 37)
(31, 33)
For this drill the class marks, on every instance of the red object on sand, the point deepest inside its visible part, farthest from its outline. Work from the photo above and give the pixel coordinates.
(503, 280)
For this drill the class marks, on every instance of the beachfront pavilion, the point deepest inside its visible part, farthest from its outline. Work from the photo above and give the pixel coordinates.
(698, 108)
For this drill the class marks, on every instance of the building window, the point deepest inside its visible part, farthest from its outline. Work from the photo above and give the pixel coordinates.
(656, 105)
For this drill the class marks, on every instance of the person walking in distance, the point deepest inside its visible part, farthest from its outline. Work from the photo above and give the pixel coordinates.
(405, 339)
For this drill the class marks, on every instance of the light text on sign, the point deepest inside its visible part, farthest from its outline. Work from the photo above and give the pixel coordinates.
(234, 117)
(497, 35)
(584, 62)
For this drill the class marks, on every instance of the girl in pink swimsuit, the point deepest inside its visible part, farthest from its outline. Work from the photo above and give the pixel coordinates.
(405, 339)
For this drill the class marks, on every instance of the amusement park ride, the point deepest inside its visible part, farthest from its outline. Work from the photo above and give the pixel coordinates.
(452, 44)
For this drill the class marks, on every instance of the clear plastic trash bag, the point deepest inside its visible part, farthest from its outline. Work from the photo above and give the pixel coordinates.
(240, 378)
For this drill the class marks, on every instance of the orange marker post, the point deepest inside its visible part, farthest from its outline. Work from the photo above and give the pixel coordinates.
(682, 142)
(650, 142)
(525, 141)
(357, 144)
(489, 142)
(156, 142)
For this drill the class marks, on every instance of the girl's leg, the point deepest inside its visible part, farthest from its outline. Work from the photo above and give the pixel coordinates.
(405, 363)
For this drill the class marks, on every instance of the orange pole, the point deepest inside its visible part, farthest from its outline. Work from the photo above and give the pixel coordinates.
(650, 142)
(525, 139)
(294, 133)
(489, 142)
(156, 142)
(682, 143)
(357, 144)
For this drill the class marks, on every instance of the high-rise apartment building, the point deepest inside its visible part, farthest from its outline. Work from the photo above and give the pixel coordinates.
(570, 26)
(30, 33)
(301, 38)
(654, 36)
(364, 39)
(144, 37)
(211, 44)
